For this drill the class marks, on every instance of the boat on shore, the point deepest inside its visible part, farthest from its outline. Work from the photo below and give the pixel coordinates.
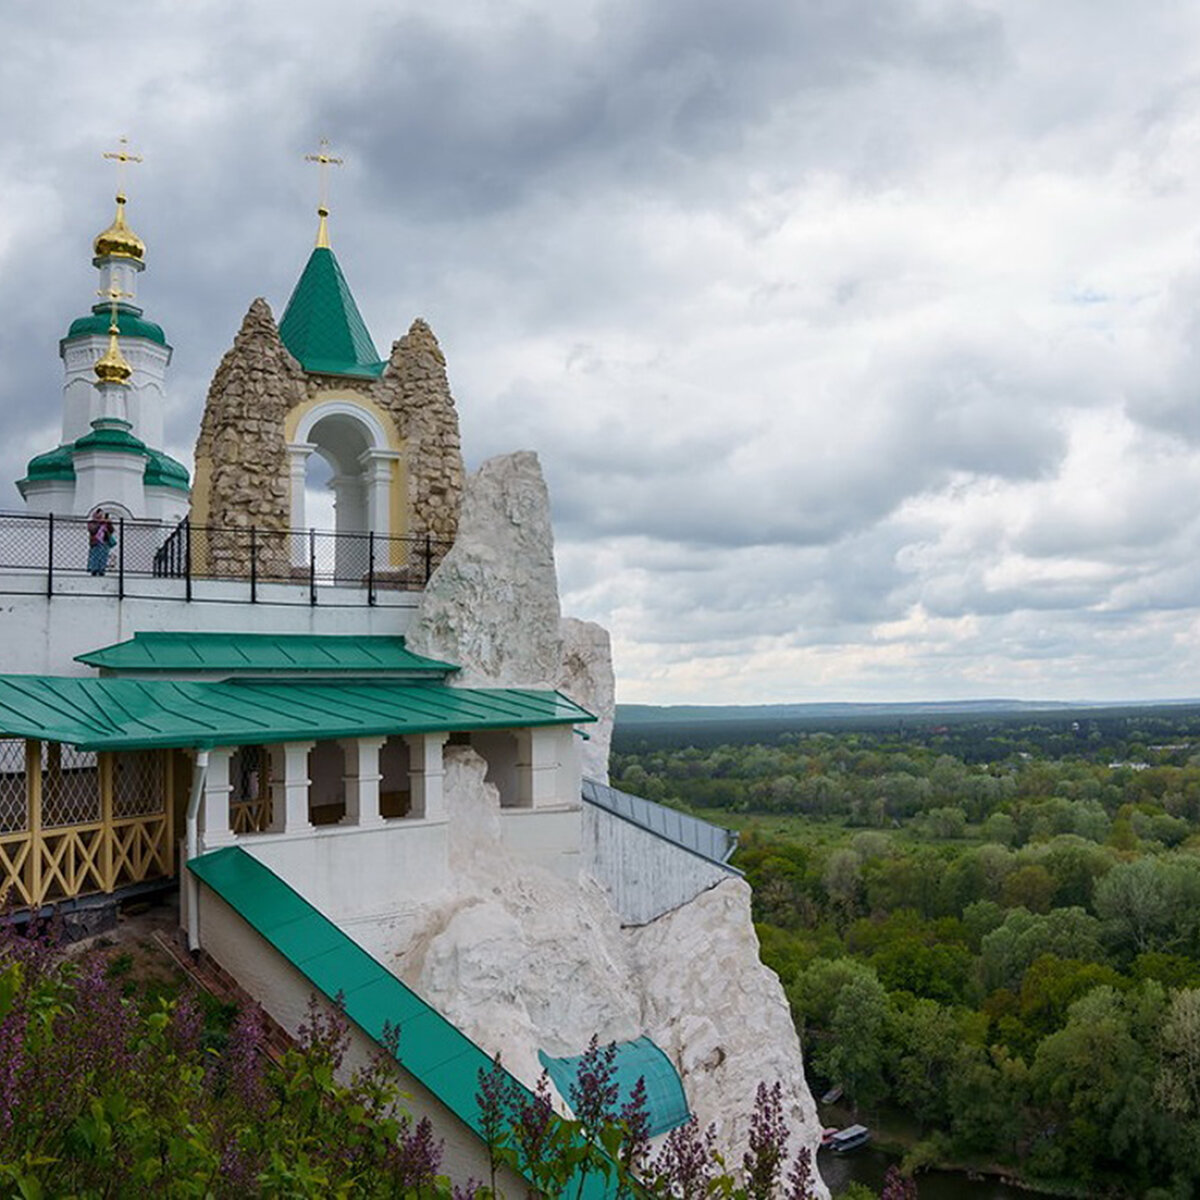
(848, 1139)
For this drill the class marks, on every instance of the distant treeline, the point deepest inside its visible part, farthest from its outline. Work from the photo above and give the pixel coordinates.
(964, 731)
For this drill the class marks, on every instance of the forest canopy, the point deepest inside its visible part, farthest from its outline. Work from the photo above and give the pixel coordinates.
(989, 927)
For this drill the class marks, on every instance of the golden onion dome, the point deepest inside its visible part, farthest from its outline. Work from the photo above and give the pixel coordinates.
(113, 367)
(118, 240)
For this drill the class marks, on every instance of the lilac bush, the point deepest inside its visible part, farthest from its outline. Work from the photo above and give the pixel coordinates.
(104, 1093)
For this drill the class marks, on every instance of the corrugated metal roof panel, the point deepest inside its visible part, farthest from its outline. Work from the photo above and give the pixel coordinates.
(700, 837)
(131, 714)
(666, 1105)
(190, 652)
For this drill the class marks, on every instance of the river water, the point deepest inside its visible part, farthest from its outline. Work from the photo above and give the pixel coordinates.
(869, 1165)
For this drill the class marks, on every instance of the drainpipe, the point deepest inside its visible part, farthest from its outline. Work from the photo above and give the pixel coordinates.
(199, 775)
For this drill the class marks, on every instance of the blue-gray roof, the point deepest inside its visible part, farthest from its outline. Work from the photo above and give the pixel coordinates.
(700, 837)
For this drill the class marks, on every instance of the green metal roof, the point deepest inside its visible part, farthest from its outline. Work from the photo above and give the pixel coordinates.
(666, 1104)
(322, 326)
(434, 1051)
(161, 469)
(164, 471)
(264, 652)
(130, 323)
(130, 714)
(54, 464)
(121, 441)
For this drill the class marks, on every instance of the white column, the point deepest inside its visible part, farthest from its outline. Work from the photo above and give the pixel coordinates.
(362, 781)
(298, 453)
(217, 789)
(377, 474)
(289, 787)
(113, 406)
(537, 768)
(427, 773)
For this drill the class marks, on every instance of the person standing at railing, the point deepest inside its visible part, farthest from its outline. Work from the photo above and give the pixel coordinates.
(102, 537)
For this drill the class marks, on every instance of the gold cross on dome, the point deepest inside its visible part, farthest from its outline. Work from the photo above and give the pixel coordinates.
(121, 157)
(114, 296)
(324, 161)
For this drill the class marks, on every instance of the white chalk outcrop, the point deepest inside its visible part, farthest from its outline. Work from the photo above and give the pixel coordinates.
(521, 960)
(492, 604)
(586, 676)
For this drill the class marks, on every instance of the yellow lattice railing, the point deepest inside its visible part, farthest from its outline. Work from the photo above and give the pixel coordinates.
(42, 861)
(250, 816)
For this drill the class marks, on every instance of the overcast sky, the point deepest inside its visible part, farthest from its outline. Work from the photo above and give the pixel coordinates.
(860, 339)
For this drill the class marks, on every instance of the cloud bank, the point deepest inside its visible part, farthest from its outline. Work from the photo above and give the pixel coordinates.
(860, 342)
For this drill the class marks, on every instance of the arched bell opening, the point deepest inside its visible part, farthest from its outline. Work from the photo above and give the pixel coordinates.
(342, 471)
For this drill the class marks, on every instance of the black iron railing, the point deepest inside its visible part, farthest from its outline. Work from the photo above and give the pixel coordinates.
(51, 551)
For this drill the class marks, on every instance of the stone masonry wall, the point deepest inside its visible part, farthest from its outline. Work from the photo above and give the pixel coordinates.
(241, 453)
(415, 391)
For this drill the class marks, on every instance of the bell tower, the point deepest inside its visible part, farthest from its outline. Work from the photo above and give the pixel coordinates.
(315, 385)
(115, 364)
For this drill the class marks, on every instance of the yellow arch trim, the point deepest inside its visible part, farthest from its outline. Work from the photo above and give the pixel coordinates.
(398, 492)
(343, 396)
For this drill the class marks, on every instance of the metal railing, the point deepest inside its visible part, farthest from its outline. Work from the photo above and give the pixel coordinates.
(53, 550)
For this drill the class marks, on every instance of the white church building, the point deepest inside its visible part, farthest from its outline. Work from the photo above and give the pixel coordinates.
(372, 759)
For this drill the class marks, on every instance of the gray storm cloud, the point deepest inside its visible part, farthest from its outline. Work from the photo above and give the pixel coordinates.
(859, 341)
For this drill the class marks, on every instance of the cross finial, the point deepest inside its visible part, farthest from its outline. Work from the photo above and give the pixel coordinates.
(121, 157)
(324, 161)
(114, 296)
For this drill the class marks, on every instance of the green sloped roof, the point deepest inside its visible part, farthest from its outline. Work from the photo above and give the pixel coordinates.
(264, 652)
(129, 324)
(666, 1105)
(130, 714)
(164, 471)
(322, 326)
(121, 441)
(54, 464)
(438, 1054)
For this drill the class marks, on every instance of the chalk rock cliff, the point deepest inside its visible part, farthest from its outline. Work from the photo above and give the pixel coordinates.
(586, 676)
(521, 959)
(492, 605)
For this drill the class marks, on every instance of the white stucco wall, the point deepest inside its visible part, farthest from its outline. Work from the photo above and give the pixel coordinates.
(644, 875)
(43, 634)
(358, 877)
(549, 837)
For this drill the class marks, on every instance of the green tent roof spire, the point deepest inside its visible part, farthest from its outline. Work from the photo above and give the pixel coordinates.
(322, 326)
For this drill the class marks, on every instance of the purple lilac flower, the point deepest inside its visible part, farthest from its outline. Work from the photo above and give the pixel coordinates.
(897, 1186)
(768, 1143)
(326, 1030)
(244, 1060)
(494, 1099)
(635, 1117)
(534, 1120)
(593, 1094)
(419, 1157)
(800, 1177)
(685, 1160)
(12, 1062)
(187, 1024)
